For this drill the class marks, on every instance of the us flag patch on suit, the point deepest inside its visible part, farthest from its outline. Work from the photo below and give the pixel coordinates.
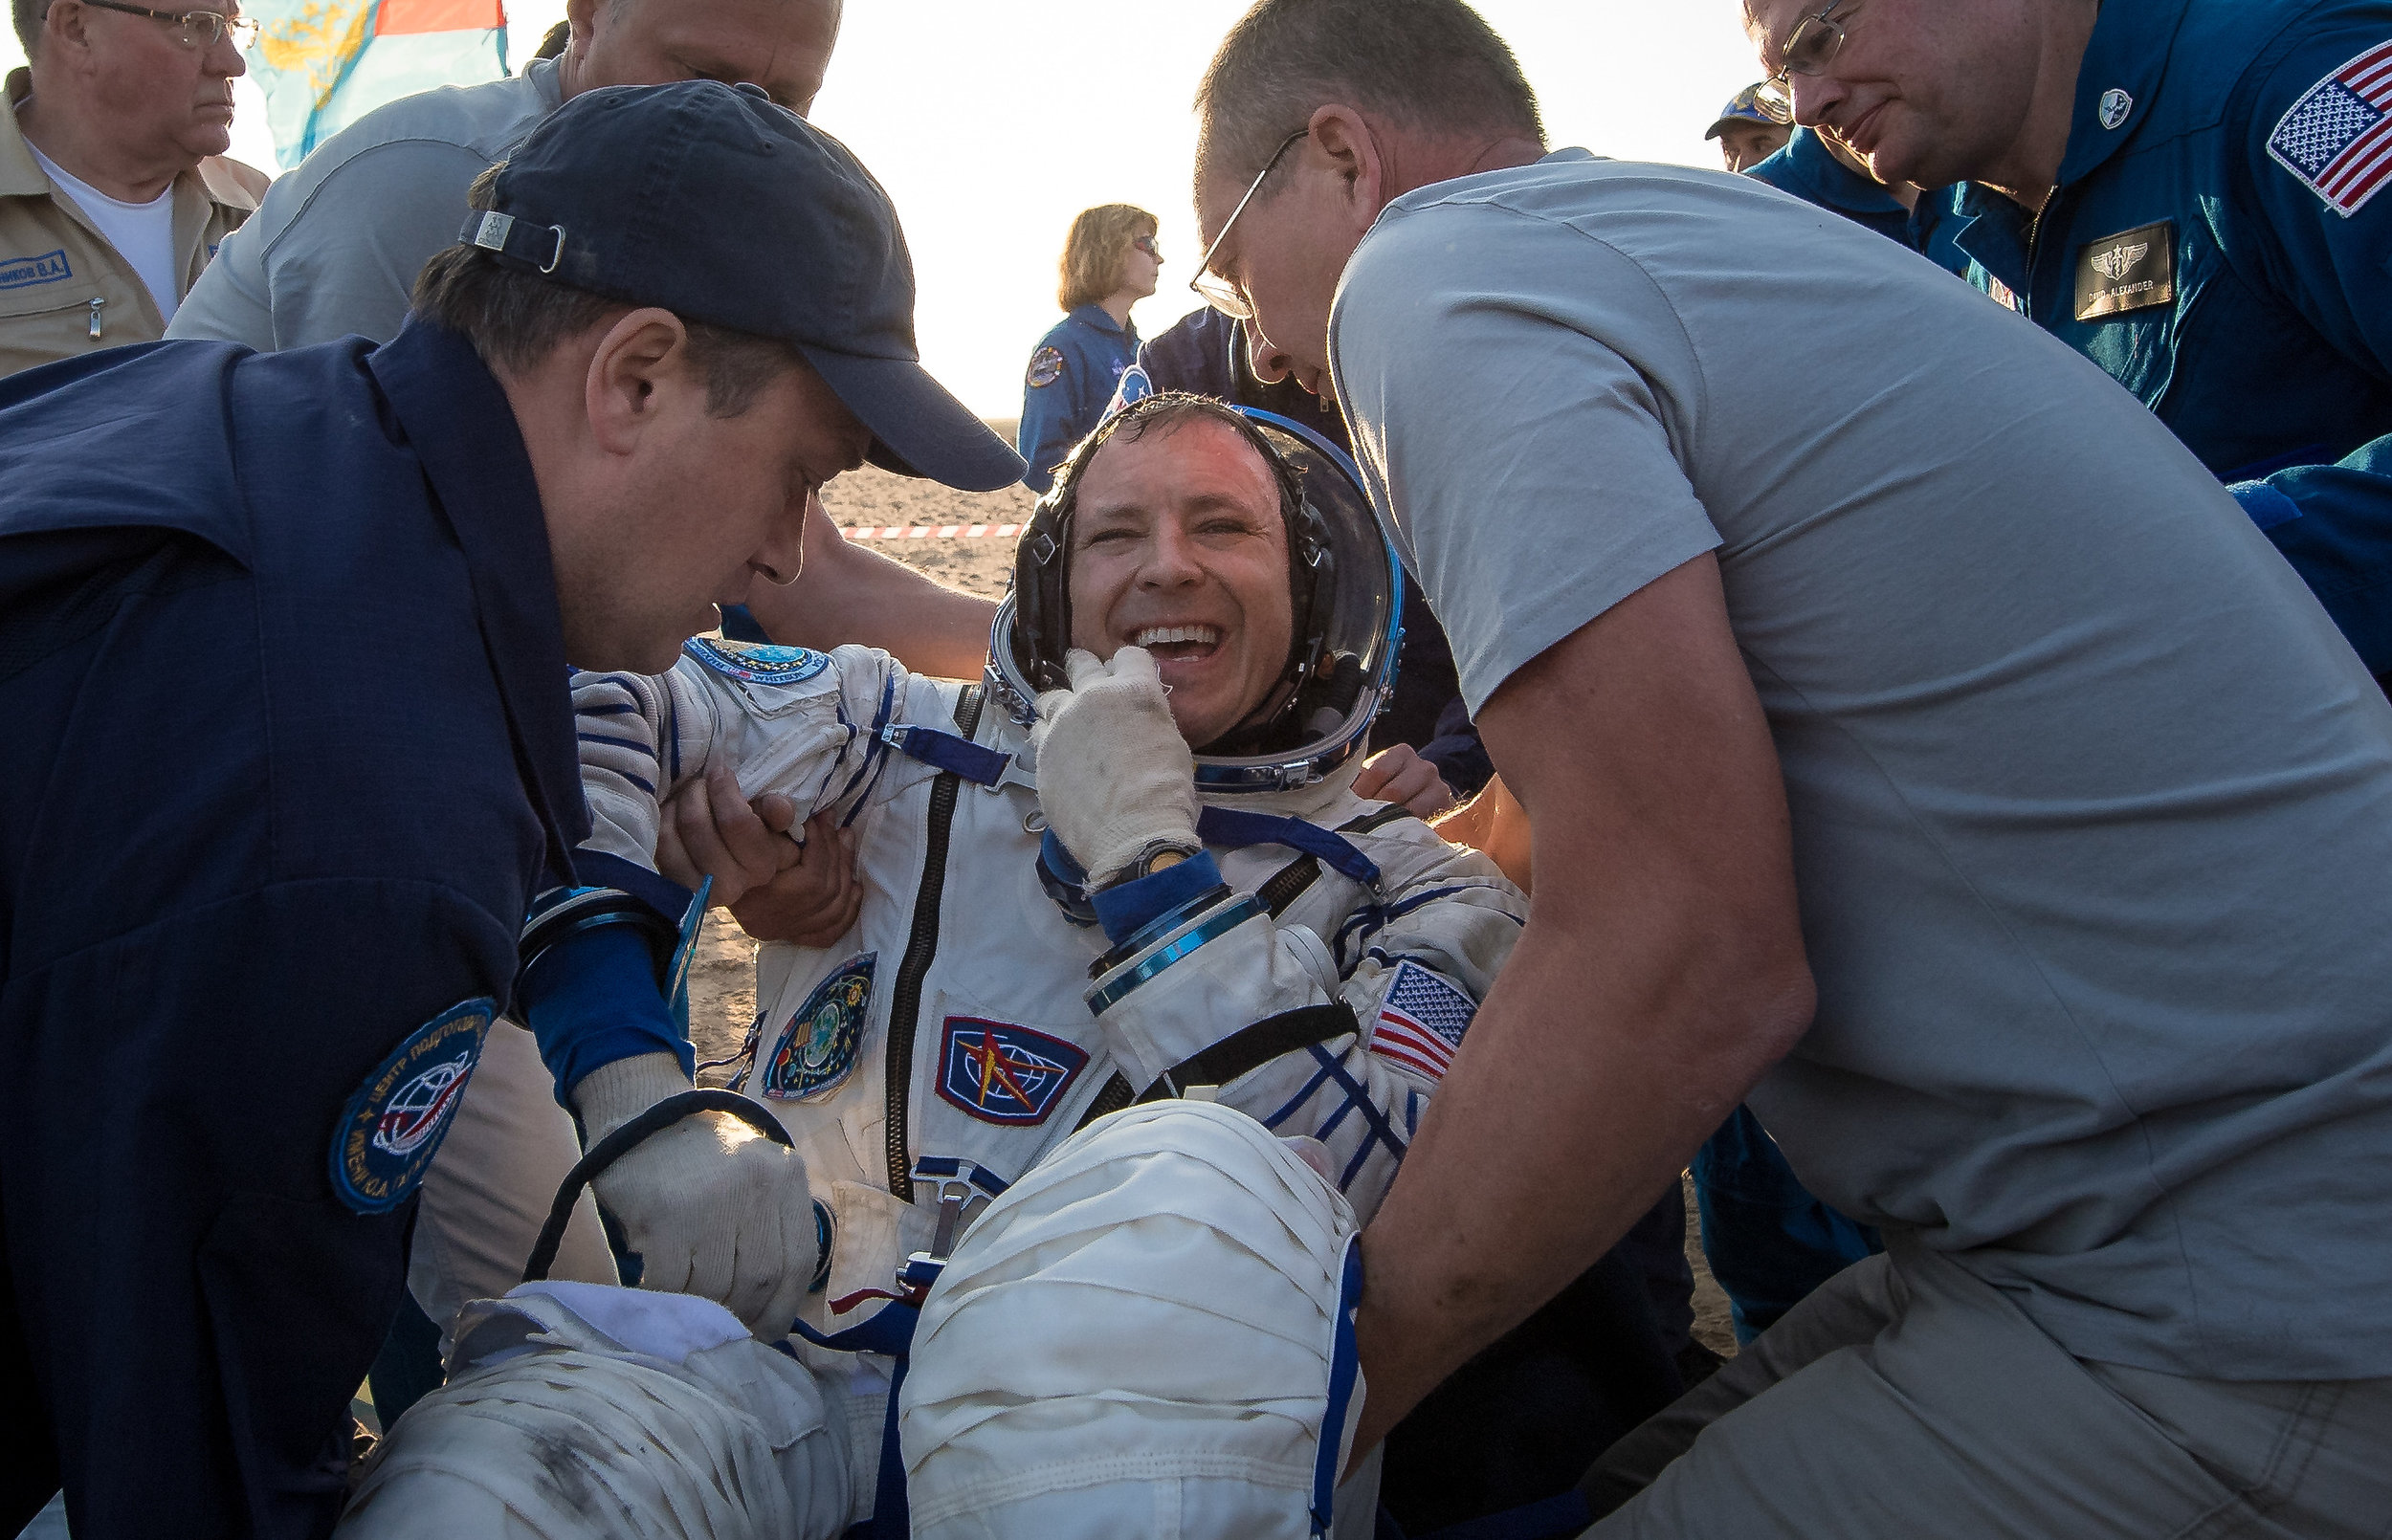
(2338, 137)
(1421, 1021)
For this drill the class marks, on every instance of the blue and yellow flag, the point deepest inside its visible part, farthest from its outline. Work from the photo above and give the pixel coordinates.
(326, 63)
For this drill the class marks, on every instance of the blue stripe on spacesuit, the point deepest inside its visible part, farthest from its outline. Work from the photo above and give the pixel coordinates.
(1356, 1097)
(1372, 918)
(1311, 1088)
(876, 753)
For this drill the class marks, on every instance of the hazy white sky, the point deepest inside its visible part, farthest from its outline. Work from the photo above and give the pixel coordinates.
(991, 125)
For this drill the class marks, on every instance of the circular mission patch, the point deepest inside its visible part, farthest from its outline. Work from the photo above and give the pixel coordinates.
(757, 663)
(1046, 367)
(392, 1126)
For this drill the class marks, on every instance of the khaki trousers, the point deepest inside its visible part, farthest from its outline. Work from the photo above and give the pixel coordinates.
(1906, 1399)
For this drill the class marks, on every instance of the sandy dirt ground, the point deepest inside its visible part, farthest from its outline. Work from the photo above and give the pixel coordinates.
(723, 976)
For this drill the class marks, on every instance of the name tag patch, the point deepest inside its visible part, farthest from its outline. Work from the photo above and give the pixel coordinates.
(25, 272)
(1421, 1022)
(755, 662)
(1006, 1074)
(816, 1051)
(393, 1125)
(2132, 269)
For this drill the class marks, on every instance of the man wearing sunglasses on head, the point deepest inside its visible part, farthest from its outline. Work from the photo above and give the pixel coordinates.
(114, 184)
(2184, 191)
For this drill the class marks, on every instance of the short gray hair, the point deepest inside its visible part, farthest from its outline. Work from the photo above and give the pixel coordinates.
(28, 15)
(1427, 64)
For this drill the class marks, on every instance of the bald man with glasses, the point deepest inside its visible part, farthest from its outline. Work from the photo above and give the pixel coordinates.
(113, 186)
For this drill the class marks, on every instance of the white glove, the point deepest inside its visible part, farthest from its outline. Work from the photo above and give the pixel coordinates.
(1114, 774)
(712, 1206)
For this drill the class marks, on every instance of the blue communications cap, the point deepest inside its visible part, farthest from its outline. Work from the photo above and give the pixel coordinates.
(713, 203)
(1743, 107)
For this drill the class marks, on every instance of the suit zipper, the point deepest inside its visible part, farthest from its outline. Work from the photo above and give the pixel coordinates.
(920, 947)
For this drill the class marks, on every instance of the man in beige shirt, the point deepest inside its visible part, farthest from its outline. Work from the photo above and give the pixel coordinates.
(113, 186)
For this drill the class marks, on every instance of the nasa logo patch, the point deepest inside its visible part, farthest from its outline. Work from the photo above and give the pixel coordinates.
(392, 1126)
(1006, 1074)
(757, 663)
(1133, 385)
(1046, 367)
(816, 1051)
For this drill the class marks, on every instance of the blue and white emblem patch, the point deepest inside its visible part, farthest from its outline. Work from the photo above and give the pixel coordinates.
(816, 1051)
(755, 662)
(393, 1125)
(1000, 1073)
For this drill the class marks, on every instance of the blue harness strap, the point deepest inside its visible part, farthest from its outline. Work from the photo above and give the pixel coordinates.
(1233, 830)
(950, 752)
(890, 1333)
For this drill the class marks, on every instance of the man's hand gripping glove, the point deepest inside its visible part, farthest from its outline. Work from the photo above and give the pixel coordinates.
(1115, 780)
(712, 1207)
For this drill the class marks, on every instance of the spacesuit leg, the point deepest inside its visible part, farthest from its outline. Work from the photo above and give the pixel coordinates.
(575, 1412)
(1150, 1333)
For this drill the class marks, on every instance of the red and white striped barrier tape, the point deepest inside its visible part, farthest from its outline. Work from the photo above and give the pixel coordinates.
(930, 532)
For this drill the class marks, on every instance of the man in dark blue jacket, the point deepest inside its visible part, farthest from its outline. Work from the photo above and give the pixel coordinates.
(2185, 192)
(259, 907)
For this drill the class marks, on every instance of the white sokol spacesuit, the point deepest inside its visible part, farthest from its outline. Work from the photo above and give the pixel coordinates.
(974, 1017)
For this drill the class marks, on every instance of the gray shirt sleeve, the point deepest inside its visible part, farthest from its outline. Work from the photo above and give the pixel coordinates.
(344, 260)
(1521, 395)
(347, 262)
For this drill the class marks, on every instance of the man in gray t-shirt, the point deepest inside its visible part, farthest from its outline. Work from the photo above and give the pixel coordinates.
(334, 249)
(1853, 645)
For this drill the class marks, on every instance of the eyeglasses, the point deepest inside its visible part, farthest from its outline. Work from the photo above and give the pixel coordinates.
(1213, 288)
(1147, 244)
(1810, 48)
(200, 28)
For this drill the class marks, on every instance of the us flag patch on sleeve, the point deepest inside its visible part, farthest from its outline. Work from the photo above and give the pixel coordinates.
(1421, 1022)
(2338, 137)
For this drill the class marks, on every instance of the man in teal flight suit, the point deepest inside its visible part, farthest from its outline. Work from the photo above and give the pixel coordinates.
(2185, 192)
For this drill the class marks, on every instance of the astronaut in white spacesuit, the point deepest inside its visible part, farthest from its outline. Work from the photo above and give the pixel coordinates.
(1067, 908)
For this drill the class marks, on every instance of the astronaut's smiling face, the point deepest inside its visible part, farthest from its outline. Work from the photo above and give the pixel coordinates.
(1178, 546)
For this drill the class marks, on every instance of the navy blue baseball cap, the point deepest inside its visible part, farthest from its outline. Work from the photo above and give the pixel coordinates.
(711, 202)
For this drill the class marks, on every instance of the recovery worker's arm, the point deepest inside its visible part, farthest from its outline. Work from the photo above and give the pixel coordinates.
(1661, 973)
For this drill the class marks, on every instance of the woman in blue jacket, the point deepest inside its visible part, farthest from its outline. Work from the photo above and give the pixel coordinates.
(1110, 262)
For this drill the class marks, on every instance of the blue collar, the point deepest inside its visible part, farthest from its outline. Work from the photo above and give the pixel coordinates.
(1101, 318)
(2128, 52)
(457, 422)
(1806, 169)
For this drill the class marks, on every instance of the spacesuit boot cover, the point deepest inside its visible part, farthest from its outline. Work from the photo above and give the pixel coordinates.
(582, 1412)
(1149, 1334)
